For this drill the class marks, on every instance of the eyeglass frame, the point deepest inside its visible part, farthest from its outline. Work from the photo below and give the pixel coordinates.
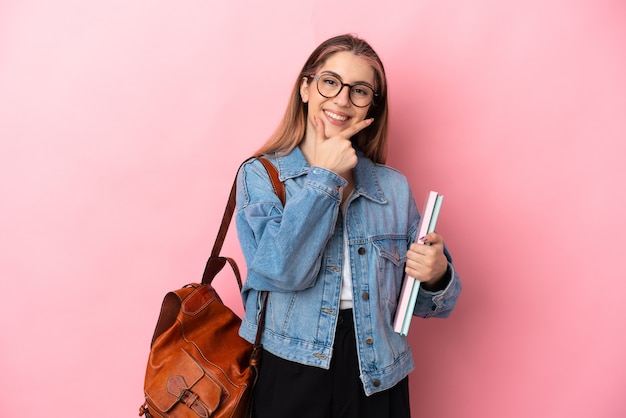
(317, 85)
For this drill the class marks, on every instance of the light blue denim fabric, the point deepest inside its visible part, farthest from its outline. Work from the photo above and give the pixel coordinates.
(296, 253)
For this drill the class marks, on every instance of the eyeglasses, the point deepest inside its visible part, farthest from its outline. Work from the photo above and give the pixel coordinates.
(329, 86)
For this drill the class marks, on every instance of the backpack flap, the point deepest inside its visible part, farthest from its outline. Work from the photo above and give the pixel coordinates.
(180, 383)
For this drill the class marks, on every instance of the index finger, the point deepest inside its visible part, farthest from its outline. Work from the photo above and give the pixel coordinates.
(357, 127)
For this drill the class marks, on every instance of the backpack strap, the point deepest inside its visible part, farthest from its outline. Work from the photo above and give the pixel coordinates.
(215, 263)
(279, 187)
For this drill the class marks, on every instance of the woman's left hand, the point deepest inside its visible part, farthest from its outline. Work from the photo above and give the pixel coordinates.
(427, 263)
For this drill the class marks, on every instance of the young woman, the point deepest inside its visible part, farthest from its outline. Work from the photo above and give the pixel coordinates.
(334, 257)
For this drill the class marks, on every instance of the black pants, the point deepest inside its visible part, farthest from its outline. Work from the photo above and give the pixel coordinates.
(287, 389)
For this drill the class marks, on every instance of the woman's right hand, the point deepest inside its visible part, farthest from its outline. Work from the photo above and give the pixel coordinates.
(336, 153)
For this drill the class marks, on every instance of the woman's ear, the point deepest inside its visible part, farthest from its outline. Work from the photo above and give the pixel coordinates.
(304, 90)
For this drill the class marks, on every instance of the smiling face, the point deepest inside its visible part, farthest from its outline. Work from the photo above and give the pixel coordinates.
(337, 112)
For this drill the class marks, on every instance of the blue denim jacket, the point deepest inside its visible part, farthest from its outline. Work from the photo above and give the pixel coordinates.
(296, 253)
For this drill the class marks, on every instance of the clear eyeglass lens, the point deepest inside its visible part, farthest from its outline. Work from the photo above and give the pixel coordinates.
(330, 86)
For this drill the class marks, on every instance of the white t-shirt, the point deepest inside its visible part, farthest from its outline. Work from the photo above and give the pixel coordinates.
(345, 300)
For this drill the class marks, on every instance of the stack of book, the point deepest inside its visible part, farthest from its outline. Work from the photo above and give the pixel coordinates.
(411, 286)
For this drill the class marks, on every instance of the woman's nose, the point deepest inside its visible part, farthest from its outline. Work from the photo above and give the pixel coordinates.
(343, 98)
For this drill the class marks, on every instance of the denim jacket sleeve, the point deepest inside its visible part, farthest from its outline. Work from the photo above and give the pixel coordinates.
(283, 246)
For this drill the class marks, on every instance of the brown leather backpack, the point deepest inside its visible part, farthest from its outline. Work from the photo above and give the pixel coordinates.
(198, 364)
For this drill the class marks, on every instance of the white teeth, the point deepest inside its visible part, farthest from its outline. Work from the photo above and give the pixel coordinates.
(336, 116)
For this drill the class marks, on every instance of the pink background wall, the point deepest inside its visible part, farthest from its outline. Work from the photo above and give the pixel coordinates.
(122, 124)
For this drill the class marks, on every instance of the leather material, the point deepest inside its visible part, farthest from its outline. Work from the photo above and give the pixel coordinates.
(199, 366)
(177, 386)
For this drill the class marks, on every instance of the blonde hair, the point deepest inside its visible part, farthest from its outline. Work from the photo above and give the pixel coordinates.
(291, 129)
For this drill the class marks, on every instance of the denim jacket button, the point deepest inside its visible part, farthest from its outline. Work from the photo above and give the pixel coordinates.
(369, 341)
(376, 383)
(366, 296)
(361, 250)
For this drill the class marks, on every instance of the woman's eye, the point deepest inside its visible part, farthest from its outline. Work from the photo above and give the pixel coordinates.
(361, 91)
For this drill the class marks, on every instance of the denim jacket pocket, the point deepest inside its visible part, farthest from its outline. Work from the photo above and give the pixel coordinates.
(390, 268)
(392, 249)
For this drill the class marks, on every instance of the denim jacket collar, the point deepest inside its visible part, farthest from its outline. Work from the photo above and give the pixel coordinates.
(366, 181)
